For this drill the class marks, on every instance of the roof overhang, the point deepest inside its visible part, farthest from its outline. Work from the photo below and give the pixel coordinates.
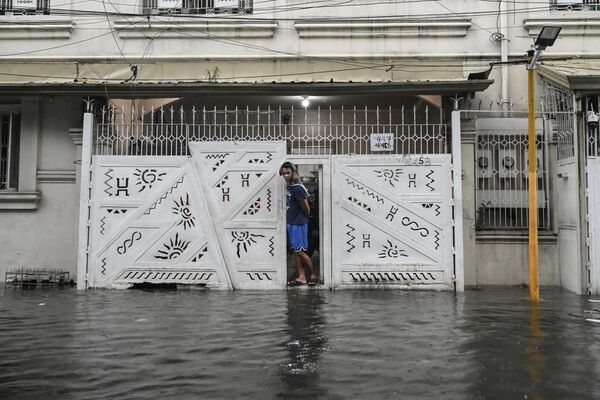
(577, 75)
(179, 89)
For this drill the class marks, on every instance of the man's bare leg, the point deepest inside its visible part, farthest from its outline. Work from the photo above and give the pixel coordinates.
(300, 267)
(308, 262)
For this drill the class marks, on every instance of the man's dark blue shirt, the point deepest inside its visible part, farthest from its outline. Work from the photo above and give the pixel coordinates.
(295, 194)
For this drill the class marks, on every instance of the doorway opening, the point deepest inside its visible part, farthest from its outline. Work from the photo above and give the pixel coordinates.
(311, 176)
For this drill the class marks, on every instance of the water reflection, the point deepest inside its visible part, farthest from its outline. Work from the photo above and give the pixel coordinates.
(533, 350)
(305, 345)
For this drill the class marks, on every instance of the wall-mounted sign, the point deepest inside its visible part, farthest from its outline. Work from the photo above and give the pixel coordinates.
(382, 142)
(227, 3)
(170, 3)
(24, 4)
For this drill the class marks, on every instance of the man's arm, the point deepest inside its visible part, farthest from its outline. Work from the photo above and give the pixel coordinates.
(305, 207)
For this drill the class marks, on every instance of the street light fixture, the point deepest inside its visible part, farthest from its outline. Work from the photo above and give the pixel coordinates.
(546, 38)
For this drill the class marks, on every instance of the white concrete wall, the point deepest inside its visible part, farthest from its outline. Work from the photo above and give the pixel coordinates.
(47, 236)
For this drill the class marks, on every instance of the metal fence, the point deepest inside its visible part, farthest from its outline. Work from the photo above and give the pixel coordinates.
(155, 7)
(575, 5)
(591, 119)
(501, 190)
(24, 7)
(9, 150)
(318, 131)
(558, 108)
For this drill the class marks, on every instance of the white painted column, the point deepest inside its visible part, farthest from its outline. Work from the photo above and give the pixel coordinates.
(84, 201)
(459, 269)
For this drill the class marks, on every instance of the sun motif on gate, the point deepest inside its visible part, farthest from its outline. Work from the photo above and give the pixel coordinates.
(244, 240)
(147, 178)
(390, 175)
(390, 250)
(182, 208)
(173, 249)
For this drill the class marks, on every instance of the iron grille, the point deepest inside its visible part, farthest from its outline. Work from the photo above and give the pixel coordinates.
(575, 5)
(156, 7)
(19, 7)
(320, 131)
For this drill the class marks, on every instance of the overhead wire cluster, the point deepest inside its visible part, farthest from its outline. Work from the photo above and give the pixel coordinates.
(134, 20)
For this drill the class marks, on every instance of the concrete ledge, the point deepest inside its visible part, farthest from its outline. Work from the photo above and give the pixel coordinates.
(19, 200)
(572, 26)
(194, 29)
(56, 176)
(35, 27)
(450, 27)
(513, 237)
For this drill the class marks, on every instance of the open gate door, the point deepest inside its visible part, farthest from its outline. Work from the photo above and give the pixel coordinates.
(392, 222)
(245, 195)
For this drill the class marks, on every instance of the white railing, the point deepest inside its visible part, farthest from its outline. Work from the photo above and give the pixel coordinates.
(575, 5)
(559, 114)
(24, 7)
(196, 7)
(316, 131)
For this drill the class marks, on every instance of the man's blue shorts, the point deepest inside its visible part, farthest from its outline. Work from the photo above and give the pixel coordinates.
(298, 237)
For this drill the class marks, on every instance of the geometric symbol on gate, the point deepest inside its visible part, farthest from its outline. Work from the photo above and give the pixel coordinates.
(269, 199)
(261, 160)
(245, 180)
(364, 190)
(390, 250)
(123, 187)
(223, 181)
(174, 248)
(106, 182)
(437, 240)
(122, 249)
(225, 192)
(272, 246)
(359, 203)
(116, 210)
(220, 157)
(431, 205)
(103, 266)
(102, 224)
(164, 195)
(183, 208)
(200, 254)
(422, 231)
(412, 180)
(259, 276)
(254, 208)
(366, 240)
(244, 240)
(397, 277)
(431, 180)
(390, 175)
(392, 213)
(352, 237)
(147, 178)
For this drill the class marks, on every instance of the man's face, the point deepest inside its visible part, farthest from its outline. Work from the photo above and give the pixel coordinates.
(287, 174)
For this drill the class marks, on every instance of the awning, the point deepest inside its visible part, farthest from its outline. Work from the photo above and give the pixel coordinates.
(247, 77)
(576, 74)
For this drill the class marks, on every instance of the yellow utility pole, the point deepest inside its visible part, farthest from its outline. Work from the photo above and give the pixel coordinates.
(534, 275)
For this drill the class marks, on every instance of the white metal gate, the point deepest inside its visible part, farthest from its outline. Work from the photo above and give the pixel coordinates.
(392, 221)
(215, 219)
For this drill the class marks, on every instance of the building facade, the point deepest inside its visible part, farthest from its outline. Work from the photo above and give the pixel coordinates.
(239, 71)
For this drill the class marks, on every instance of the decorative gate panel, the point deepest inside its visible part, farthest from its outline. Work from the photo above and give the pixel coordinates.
(244, 194)
(149, 224)
(216, 219)
(392, 221)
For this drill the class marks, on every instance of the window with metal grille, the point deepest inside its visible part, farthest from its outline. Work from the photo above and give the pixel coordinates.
(575, 5)
(159, 7)
(24, 7)
(9, 150)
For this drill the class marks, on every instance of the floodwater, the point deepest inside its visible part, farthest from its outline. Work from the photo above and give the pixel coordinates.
(301, 344)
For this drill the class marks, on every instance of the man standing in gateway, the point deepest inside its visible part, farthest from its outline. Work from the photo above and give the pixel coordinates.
(297, 216)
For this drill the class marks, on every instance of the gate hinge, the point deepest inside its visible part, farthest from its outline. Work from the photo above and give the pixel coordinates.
(87, 250)
(453, 278)
(89, 223)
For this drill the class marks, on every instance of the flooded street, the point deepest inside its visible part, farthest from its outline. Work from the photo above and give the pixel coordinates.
(304, 344)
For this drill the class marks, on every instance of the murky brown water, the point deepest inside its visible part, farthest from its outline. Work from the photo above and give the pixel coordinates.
(310, 344)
